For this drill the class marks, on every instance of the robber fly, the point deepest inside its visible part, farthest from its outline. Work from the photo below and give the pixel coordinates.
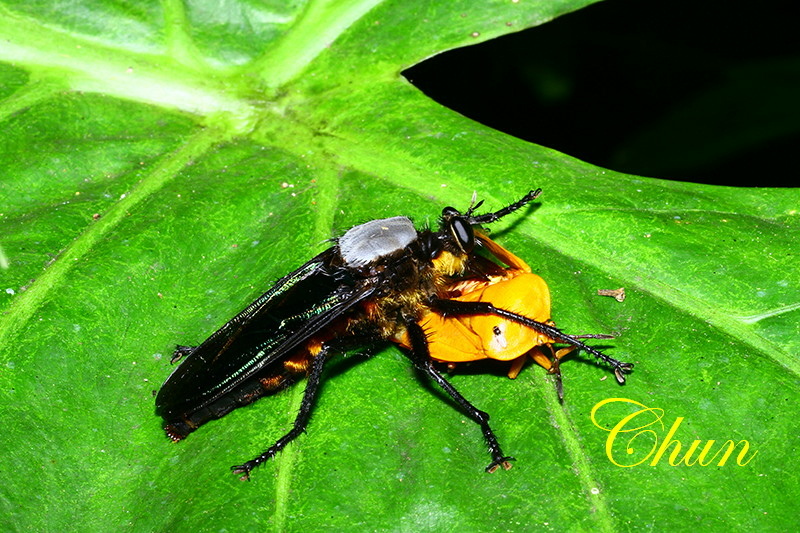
(382, 281)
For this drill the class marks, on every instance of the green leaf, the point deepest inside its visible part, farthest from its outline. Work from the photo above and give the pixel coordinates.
(164, 163)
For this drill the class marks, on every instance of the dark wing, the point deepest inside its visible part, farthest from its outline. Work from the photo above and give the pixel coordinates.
(273, 326)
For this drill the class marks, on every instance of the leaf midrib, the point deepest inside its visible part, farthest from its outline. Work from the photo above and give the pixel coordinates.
(79, 64)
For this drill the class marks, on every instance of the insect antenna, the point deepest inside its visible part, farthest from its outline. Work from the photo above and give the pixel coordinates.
(473, 204)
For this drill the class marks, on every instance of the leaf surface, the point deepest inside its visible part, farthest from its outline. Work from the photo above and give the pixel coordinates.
(165, 163)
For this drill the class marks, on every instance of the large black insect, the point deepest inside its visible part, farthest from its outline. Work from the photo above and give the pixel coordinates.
(376, 283)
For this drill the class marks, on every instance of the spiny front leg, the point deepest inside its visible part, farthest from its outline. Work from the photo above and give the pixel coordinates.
(420, 356)
(459, 308)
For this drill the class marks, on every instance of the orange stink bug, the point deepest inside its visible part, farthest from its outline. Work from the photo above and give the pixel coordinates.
(462, 338)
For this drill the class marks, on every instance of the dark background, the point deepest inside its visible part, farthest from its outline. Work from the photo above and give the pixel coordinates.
(695, 91)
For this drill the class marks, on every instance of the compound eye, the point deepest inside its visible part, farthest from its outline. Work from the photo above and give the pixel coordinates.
(450, 212)
(462, 232)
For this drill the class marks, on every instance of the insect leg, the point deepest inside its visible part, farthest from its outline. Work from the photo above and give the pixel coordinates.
(420, 356)
(491, 217)
(180, 352)
(300, 422)
(456, 307)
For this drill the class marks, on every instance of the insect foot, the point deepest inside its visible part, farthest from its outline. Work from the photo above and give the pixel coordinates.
(497, 463)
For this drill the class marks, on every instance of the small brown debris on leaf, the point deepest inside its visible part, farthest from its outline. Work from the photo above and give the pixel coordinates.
(617, 294)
